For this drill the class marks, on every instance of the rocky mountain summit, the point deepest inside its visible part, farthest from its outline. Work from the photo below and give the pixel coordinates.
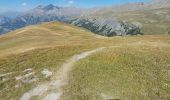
(52, 10)
(38, 15)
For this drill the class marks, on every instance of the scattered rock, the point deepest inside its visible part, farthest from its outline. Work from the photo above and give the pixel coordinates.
(46, 72)
(27, 78)
(3, 75)
(18, 77)
(18, 85)
(27, 70)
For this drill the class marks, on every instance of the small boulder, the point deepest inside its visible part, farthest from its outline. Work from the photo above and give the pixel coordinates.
(46, 73)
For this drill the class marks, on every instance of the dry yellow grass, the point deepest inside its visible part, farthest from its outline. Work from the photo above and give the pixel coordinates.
(136, 71)
(48, 45)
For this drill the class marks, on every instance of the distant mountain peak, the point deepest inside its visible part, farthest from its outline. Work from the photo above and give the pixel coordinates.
(50, 7)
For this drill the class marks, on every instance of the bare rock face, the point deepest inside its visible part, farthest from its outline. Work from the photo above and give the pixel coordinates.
(108, 27)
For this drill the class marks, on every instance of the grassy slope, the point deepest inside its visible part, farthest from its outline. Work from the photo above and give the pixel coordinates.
(135, 72)
(47, 46)
(43, 46)
(153, 21)
(44, 36)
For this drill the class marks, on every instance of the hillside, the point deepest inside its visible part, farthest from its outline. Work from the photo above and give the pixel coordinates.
(154, 21)
(154, 16)
(61, 61)
(44, 35)
(135, 72)
(27, 51)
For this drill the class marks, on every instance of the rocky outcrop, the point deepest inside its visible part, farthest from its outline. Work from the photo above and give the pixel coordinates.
(108, 27)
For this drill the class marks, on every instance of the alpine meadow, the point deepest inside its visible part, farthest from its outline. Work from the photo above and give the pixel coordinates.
(85, 50)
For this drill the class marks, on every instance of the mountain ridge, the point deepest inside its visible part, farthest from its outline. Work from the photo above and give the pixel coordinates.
(51, 12)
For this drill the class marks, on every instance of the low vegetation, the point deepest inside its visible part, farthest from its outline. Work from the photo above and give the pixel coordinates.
(35, 61)
(48, 46)
(26, 52)
(134, 72)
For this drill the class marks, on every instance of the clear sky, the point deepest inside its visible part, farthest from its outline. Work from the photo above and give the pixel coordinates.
(20, 5)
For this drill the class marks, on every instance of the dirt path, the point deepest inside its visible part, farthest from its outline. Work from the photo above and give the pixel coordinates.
(52, 90)
(59, 79)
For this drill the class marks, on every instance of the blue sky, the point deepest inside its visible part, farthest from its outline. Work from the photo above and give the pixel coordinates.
(20, 5)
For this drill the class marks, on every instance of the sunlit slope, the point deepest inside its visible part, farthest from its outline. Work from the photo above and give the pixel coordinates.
(26, 52)
(137, 71)
(44, 35)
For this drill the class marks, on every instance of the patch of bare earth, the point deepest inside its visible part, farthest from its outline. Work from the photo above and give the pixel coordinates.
(59, 80)
(53, 89)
